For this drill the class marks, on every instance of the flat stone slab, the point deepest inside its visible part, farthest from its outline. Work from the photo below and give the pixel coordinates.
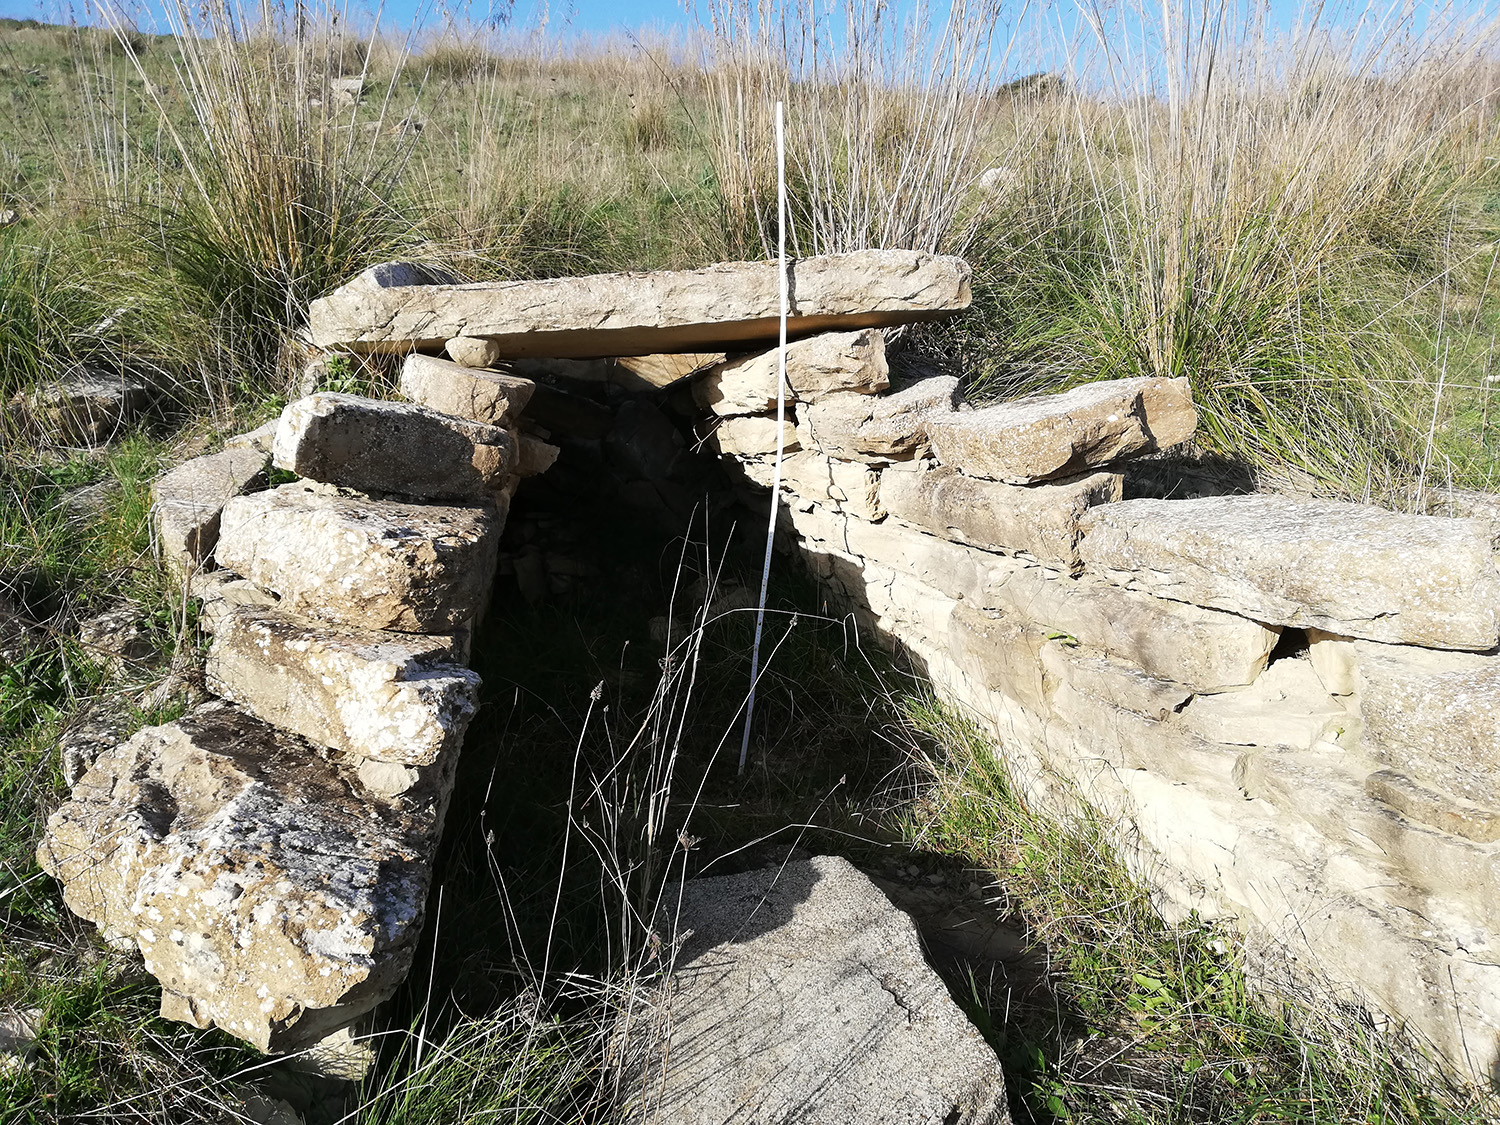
(801, 994)
(89, 407)
(1350, 569)
(186, 503)
(861, 427)
(1039, 520)
(267, 890)
(380, 446)
(816, 366)
(730, 306)
(491, 397)
(844, 486)
(399, 698)
(370, 564)
(1047, 436)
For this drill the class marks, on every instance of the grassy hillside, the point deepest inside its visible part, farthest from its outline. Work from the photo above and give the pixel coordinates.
(1309, 234)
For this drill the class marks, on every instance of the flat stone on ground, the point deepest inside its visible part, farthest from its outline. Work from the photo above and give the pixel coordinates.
(801, 994)
(733, 305)
(370, 564)
(816, 366)
(1349, 569)
(186, 503)
(380, 446)
(1048, 436)
(223, 847)
(491, 397)
(89, 407)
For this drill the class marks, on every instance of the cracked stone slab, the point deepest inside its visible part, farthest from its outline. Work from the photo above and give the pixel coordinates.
(354, 560)
(268, 890)
(801, 994)
(1350, 569)
(381, 446)
(729, 306)
(401, 698)
(862, 427)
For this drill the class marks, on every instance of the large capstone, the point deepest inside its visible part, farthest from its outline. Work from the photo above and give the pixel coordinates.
(800, 993)
(268, 890)
(372, 564)
(730, 306)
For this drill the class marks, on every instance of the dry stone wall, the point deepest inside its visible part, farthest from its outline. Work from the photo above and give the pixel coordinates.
(1288, 705)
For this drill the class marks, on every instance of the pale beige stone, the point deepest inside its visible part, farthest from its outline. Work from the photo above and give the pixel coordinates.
(1287, 705)
(858, 427)
(393, 697)
(381, 446)
(1112, 681)
(372, 564)
(1002, 652)
(734, 304)
(1050, 436)
(1430, 807)
(259, 438)
(533, 455)
(653, 372)
(843, 486)
(1349, 569)
(267, 890)
(470, 351)
(1332, 659)
(491, 397)
(755, 436)
(186, 503)
(816, 366)
(1039, 520)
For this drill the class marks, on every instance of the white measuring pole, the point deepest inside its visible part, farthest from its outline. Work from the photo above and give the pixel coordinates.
(765, 570)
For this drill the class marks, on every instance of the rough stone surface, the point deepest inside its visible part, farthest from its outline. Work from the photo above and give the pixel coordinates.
(468, 351)
(268, 891)
(533, 455)
(1049, 436)
(733, 304)
(816, 366)
(652, 372)
(1040, 520)
(261, 438)
(1434, 716)
(1286, 706)
(844, 486)
(754, 436)
(1343, 568)
(88, 407)
(1113, 681)
(858, 427)
(391, 447)
(1438, 810)
(491, 397)
(801, 994)
(186, 502)
(371, 564)
(393, 697)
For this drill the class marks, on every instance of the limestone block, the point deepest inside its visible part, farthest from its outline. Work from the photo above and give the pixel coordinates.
(1332, 659)
(1349, 569)
(1435, 809)
(393, 697)
(1434, 716)
(268, 891)
(1040, 520)
(471, 351)
(652, 372)
(1002, 653)
(490, 397)
(753, 437)
(88, 407)
(1286, 706)
(186, 503)
(1112, 681)
(259, 438)
(382, 446)
(533, 455)
(800, 993)
(1049, 436)
(370, 564)
(726, 306)
(857, 427)
(843, 486)
(816, 366)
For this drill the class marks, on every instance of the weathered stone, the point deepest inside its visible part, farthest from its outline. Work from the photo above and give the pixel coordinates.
(1344, 568)
(652, 372)
(1000, 652)
(728, 305)
(1040, 520)
(186, 502)
(268, 891)
(391, 447)
(1332, 659)
(260, 439)
(533, 455)
(117, 636)
(844, 486)
(856, 427)
(1112, 681)
(88, 407)
(468, 351)
(753, 436)
(347, 91)
(393, 697)
(1286, 706)
(1437, 810)
(490, 397)
(1434, 716)
(371, 564)
(800, 993)
(816, 366)
(1049, 436)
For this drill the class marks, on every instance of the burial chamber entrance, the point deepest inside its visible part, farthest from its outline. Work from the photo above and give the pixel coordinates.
(540, 565)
